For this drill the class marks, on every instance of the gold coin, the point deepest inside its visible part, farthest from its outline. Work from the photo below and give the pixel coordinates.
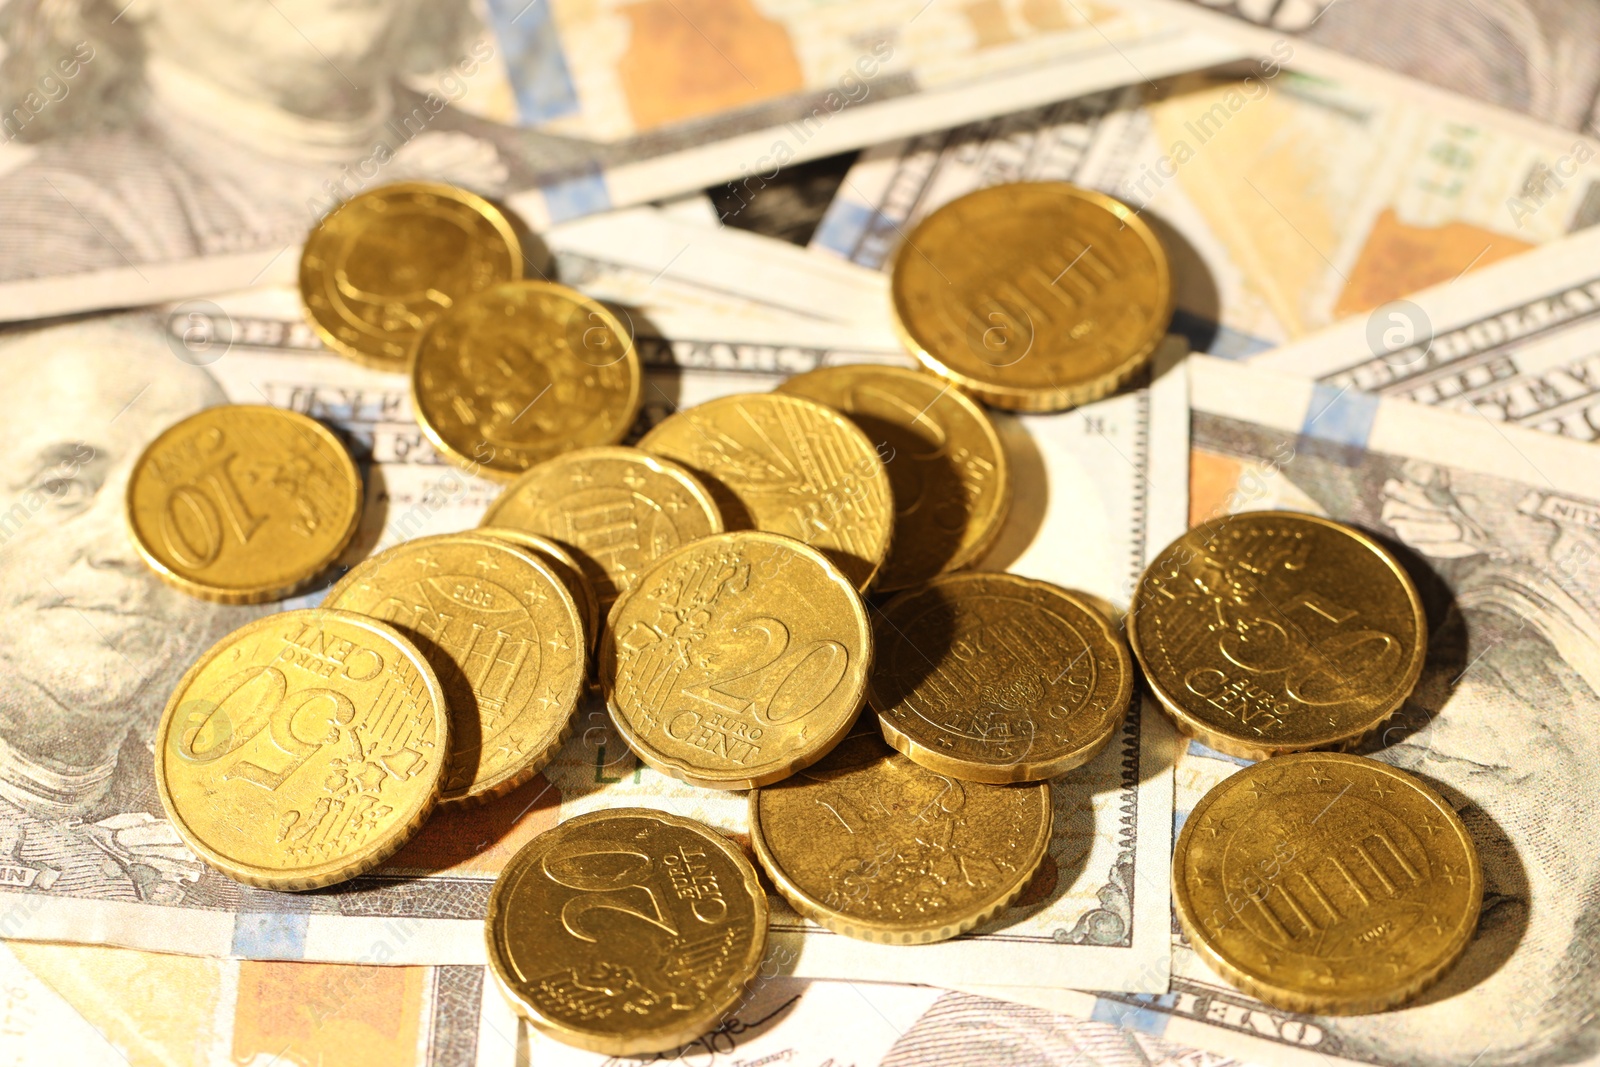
(738, 659)
(1270, 631)
(619, 509)
(626, 931)
(791, 466)
(381, 266)
(873, 846)
(996, 678)
(567, 568)
(949, 475)
(1323, 882)
(244, 503)
(1033, 296)
(302, 749)
(521, 372)
(504, 637)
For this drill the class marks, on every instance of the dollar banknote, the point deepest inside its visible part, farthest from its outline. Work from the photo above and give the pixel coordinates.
(104, 1007)
(1531, 56)
(1285, 201)
(152, 155)
(1517, 343)
(85, 851)
(1496, 524)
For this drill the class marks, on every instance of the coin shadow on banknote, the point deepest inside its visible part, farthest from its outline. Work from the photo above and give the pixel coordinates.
(537, 260)
(1198, 303)
(1030, 495)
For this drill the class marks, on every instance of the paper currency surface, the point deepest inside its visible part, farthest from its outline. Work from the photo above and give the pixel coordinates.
(186, 155)
(1285, 201)
(1518, 343)
(90, 856)
(1496, 525)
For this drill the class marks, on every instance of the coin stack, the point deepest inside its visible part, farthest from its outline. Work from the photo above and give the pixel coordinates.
(741, 585)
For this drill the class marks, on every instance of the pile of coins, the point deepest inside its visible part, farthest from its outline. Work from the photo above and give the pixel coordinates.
(740, 585)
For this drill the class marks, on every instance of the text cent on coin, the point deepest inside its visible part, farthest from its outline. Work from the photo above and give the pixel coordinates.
(243, 503)
(998, 678)
(626, 931)
(504, 637)
(618, 509)
(948, 472)
(1323, 882)
(302, 749)
(1268, 632)
(736, 660)
(1033, 296)
(522, 372)
(873, 846)
(382, 265)
(788, 465)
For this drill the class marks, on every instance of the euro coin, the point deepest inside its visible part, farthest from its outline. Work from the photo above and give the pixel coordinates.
(620, 510)
(567, 568)
(1032, 296)
(997, 678)
(384, 264)
(1328, 883)
(738, 659)
(1269, 632)
(626, 931)
(873, 846)
(504, 637)
(790, 466)
(302, 749)
(521, 372)
(243, 504)
(948, 474)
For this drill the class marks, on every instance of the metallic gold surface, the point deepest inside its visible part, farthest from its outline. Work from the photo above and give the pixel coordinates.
(737, 660)
(1270, 631)
(1033, 296)
(997, 678)
(1329, 883)
(626, 931)
(948, 473)
(504, 637)
(791, 466)
(873, 846)
(618, 509)
(302, 749)
(567, 568)
(379, 268)
(521, 372)
(243, 503)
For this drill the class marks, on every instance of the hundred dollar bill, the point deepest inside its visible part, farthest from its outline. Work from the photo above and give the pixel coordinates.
(1497, 525)
(1518, 342)
(106, 1007)
(1285, 201)
(88, 855)
(155, 154)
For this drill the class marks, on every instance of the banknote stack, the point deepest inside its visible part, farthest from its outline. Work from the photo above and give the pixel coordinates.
(1218, 378)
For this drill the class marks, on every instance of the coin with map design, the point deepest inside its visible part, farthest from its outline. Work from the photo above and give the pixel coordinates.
(875, 847)
(618, 509)
(504, 637)
(379, 268)
(1266, 632)
(998, 678)
(737, 660)
(948, 472)
(302, 749)
(521, 372)
(791, 466)
(1324, 882)
(243, 503)
(626, 931)
(1033, 296)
